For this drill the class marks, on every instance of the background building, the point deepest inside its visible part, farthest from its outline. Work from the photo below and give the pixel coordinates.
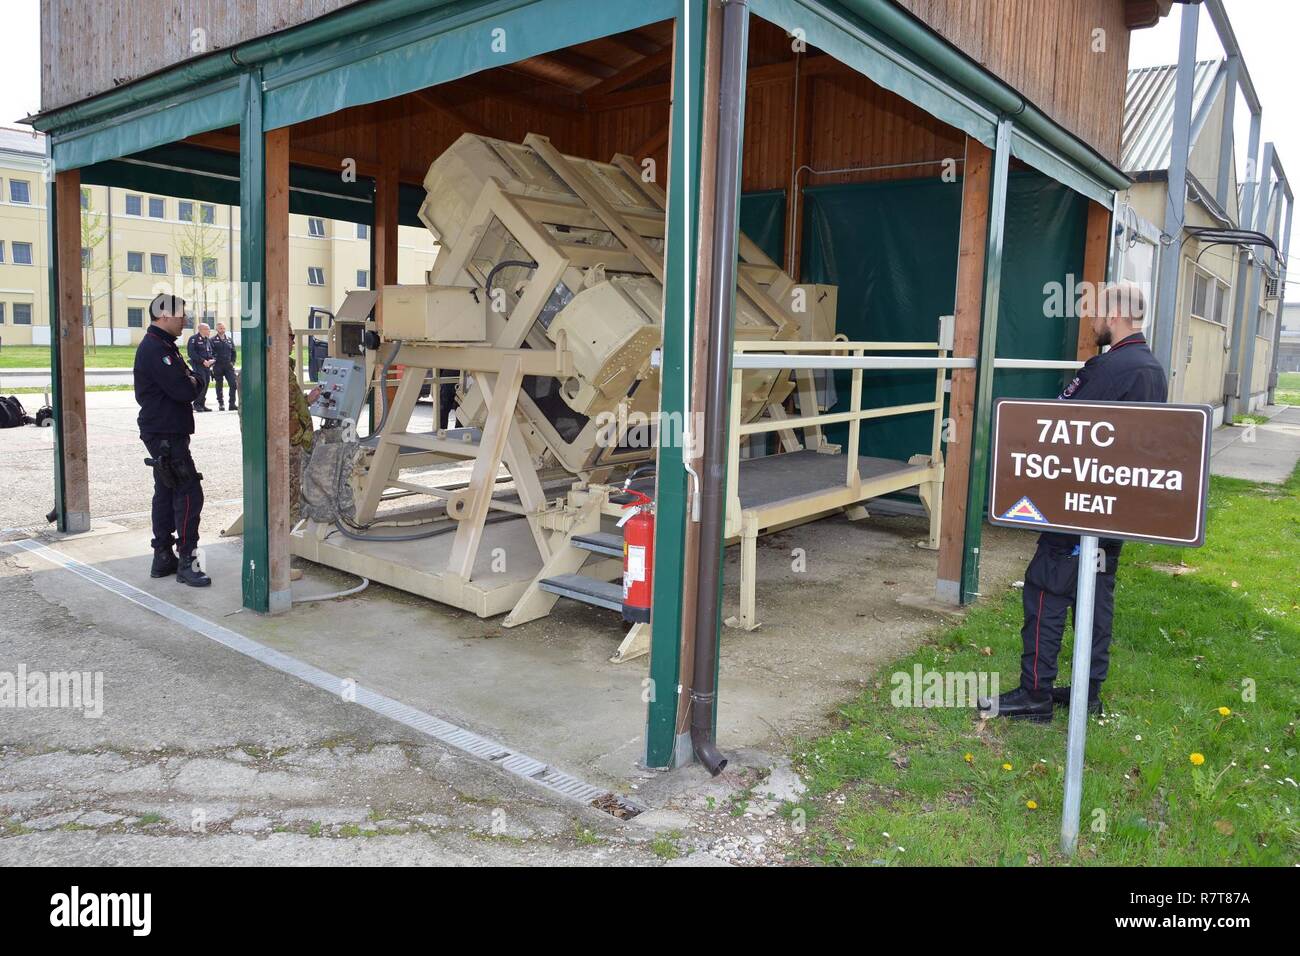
(135, 245)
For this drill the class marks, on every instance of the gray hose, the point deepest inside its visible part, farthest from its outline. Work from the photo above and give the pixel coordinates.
(348, 592)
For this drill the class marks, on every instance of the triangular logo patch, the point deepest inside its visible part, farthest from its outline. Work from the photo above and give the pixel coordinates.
(1024, 510)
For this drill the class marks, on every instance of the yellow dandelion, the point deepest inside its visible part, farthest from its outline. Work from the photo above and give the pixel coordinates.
(1032, 804)
(1225, 711)
(1006, 766)
(969, 757)
(1197, 759)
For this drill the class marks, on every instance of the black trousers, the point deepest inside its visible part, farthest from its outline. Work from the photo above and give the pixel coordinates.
(224, 374)
(204, 376)
(1050, 584)
(176, 510)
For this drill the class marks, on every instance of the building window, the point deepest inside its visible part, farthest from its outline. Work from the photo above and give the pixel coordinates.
(20, 191)
(1221, 302)
(315, 275)
(2, 313)
(210, 268)
(85, 199)
(2, 250)
(210, 317)
(189, 319)
(87, 256)
(135, 262)
(315, 318)
(185, 211)
(132, 205)
(363, 231)
(363, 279)
(87, 315)
(1265, 330)
(157, 208)
(22, 313)
(135, 318)
(158, 263)
(316, 227)
(22, 253)
(207, 214)
(187, 265)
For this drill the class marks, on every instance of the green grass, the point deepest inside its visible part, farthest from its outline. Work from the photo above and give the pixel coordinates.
(1250, 420)
(1288, 388)
(38, 356)
(32, 390)
(1185, 645)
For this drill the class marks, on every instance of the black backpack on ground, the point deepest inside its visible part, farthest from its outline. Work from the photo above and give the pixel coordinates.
(12, 413)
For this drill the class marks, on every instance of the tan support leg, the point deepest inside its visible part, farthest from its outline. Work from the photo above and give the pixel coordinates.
(386, 455)
(748, 618)
(477, 497)
(564, 559)
(931, 493)
(636, 644)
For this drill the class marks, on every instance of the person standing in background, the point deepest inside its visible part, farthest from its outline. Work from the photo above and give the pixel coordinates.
(225, 356)
(199, 348)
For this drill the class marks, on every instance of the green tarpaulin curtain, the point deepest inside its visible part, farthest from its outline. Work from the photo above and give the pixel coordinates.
(891, 249)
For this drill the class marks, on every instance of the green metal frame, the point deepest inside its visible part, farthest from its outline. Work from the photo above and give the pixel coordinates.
(255, 578)
(984, 371)
(671, 514)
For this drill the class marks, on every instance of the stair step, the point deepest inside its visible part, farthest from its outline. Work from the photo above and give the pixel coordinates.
(579, 587)
(600, 542)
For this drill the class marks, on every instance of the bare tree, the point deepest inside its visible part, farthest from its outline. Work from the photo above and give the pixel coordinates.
(97, 281)
(199, 246)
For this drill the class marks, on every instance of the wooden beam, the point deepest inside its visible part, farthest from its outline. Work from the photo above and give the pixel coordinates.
(72, 356)
(277, 366)
(1096, 252)
(298, 156)
(782, 72)
(976, 185)
(438, 103)
(632, 72)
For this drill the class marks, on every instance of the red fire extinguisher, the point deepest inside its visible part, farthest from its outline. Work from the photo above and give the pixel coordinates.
(638, 526)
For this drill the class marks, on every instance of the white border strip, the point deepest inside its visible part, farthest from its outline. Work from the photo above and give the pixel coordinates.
(521, 765)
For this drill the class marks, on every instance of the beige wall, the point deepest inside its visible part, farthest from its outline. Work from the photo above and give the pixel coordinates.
(22, 223)
(116, 290)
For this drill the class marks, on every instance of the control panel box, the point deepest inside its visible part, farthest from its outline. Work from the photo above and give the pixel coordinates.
(434, 313)
(342, 386)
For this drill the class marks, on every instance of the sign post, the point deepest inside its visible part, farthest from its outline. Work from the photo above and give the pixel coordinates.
(1128, 470)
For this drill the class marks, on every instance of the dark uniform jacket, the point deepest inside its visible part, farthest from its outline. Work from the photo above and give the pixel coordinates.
(1126, 373)
(223, 350)
(200, 350)
(163, 389)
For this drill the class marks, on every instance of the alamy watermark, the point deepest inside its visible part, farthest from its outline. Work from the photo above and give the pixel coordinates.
(40, 690)
(923, 688)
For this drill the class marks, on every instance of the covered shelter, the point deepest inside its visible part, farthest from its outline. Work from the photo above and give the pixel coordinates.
(939, 163)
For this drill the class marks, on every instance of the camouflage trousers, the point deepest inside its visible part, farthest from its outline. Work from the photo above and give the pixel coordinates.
(295, 484)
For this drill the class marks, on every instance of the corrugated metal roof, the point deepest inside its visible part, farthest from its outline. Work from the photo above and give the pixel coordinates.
(22, 141)
(1149, 110)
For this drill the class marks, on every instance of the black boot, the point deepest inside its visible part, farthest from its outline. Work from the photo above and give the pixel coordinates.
(165, 562)
(1019, 704)
(1061, 696)
(190, 573)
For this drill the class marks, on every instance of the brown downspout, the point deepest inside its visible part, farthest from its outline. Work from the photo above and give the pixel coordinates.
(717, 381)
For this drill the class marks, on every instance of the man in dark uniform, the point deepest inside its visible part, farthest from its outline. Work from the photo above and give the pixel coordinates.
(223, 367)
(201, 361)
(1126, 373)
(165, 390)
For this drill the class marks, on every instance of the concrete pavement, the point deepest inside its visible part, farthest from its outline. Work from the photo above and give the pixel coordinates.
(1259, 452)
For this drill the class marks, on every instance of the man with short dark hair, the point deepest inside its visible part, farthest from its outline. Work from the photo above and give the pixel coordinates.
(1128, 372)
(165, 390)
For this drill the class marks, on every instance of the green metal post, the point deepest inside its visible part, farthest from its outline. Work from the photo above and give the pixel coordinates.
(252, 380)
(56, 365)
(984, 371)
(679, 310)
